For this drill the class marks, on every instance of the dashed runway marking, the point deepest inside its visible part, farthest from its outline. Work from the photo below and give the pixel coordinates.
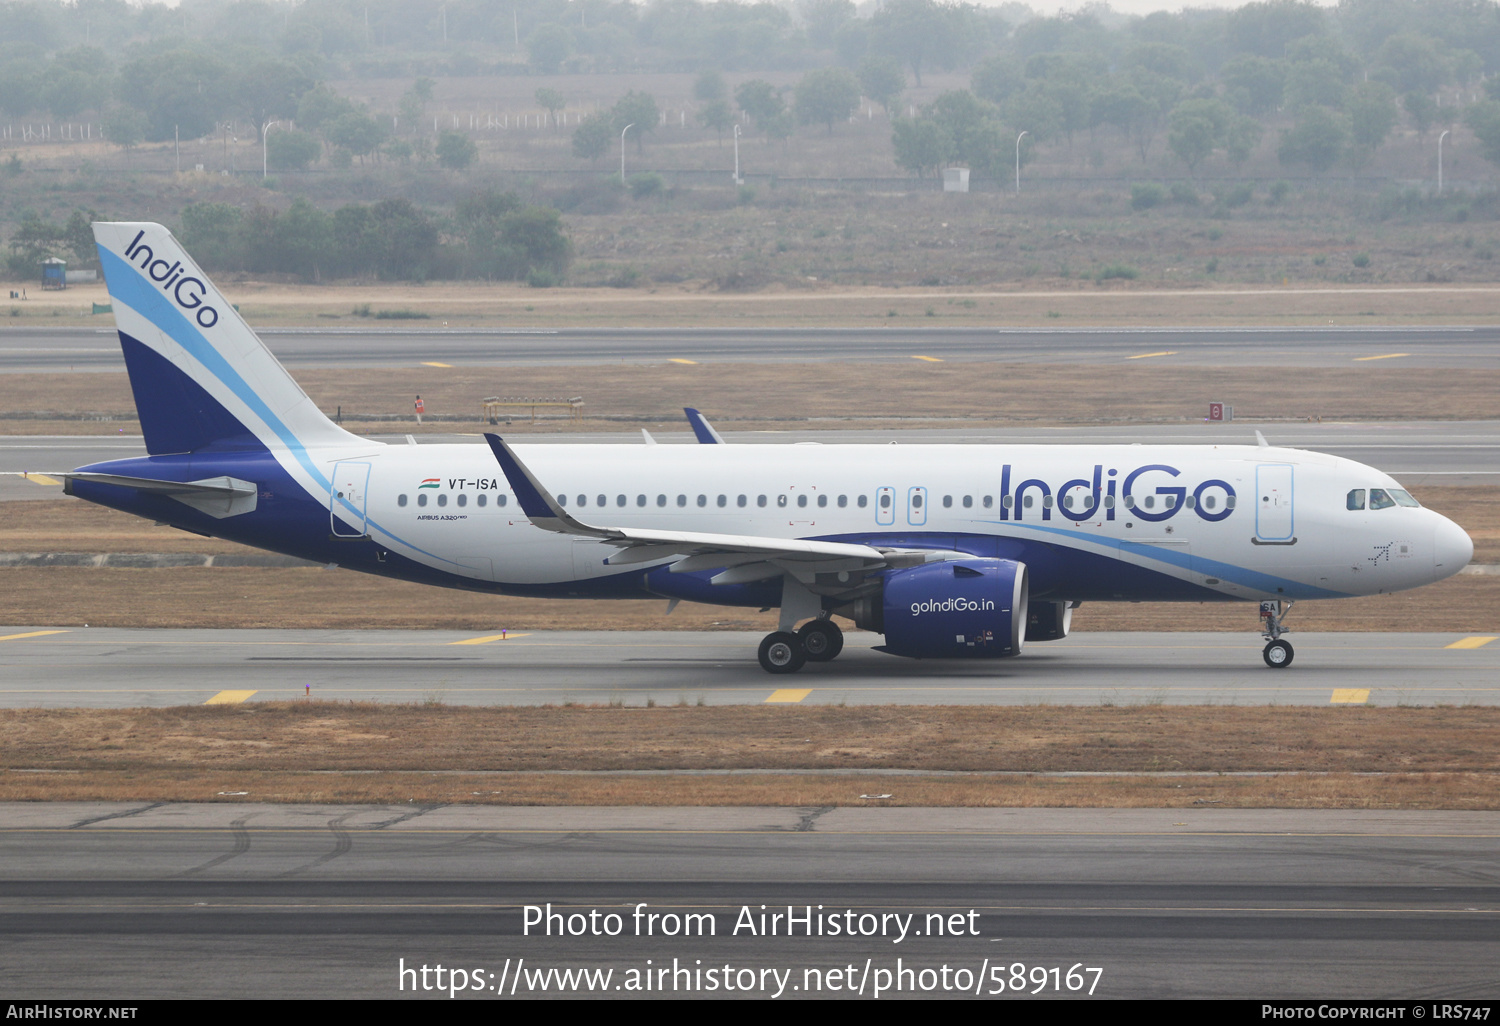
(789, 695)
(229, 698)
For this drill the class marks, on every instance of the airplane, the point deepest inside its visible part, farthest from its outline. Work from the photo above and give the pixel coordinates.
(949, 551)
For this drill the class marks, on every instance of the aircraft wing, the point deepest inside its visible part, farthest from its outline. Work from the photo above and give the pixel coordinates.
(747, 557)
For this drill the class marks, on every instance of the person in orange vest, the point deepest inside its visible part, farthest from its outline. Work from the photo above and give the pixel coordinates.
(421, 408)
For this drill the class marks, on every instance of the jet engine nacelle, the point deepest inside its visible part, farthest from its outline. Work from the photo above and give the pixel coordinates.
(1048, 621)
(964, 609)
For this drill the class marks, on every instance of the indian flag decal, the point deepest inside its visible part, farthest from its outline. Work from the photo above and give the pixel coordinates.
(430, 482)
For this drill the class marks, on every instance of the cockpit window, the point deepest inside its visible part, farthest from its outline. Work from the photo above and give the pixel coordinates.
(1380, 500)
(1403, 498)
(1356, 499)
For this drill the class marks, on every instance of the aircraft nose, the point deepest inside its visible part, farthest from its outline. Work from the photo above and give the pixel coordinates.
(1452, 548)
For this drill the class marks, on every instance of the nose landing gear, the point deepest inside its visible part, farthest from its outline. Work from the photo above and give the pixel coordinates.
(1277, 653)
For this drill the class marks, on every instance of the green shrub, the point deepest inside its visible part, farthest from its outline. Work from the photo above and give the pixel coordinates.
(1117, 271)
(1361, 260)
(647, 184)
(1146, 196)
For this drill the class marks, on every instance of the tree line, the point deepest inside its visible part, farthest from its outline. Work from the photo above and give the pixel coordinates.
(489, 235)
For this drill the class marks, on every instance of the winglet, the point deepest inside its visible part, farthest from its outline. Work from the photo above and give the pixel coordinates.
(1260, 440)
(536, 502)
(702, 428)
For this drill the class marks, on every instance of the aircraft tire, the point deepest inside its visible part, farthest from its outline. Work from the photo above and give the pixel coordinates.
(822, 640)
(1278, 654)
(781, 652)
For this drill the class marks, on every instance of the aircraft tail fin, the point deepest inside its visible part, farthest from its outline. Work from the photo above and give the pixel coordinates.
(202, 378)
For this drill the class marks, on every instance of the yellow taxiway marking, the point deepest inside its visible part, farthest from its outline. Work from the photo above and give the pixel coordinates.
(1147, 356)
(1350, 696)
(229, 698)
(1383, 356)
(1475, 642)
(789, 694)
(678, 359)
(32, 634)
(927, 359)
(433, 363)
(488, 638)
(42, 479)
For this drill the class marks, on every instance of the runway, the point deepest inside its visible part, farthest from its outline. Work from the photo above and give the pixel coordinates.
(44, 349)
(118, 667)
(1416, 452)
(249, 900)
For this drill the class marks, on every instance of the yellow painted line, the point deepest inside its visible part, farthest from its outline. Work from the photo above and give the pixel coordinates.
(33, 634)
(1352, 696)
(1147, 356)
(789, 694)
(432, 363)
(927, 359)
(1475, 642)
(229, 698)
(678, 359)
(42, 479)
(1384, 356)
(488, 638)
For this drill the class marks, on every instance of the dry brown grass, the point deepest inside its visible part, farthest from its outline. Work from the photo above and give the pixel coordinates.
(1346, 758)
(776, 396)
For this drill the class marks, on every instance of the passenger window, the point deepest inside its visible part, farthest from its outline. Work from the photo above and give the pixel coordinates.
(1027, 501)
(1130, 502)
(1380, 500)
(947, 502)
(1067, 502)
(422, 499)
(885, 502)
(916, 501)
(968, 502)
(723, 501)
(499, 500)
(619, 500)
(1229, 502)
(702, 501)
(1355, 499)
(661, 500)
(760, 500)
(864, 500)
(741, 501)
(481, 499)
(843, 501)
(562, 500)
(583, 500)
(1150, 501)
(1046, 502)
(1209, 502)
(1008, 501)
(1109, 502)
(640, 500)
(442, 500)
(1189, 502)
(603, 501)
(822, 501)
(802, 500)
(401, 500)
(463, 500)
(682, 500)
(781, 500)
(988, 501)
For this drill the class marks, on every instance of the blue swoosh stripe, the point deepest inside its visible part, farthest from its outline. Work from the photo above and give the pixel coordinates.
(1225, 571)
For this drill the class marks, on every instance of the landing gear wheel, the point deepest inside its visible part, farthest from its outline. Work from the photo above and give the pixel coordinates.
(1278, 654)
(821, 640)
(781, 652)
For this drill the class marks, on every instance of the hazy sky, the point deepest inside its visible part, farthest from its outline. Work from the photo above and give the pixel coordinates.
(1140, 6)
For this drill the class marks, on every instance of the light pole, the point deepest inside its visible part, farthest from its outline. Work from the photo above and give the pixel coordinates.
(1440, 159)
(1018, 163)
(622, 150)
(264, 130)
(737, 155)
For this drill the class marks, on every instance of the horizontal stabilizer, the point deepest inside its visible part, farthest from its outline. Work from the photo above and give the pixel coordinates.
(219, 497)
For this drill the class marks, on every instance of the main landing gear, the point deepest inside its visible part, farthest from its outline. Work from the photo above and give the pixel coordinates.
(817, 641)
(1277, 653)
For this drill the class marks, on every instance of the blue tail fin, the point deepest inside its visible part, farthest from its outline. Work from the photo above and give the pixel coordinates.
(202, 379)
